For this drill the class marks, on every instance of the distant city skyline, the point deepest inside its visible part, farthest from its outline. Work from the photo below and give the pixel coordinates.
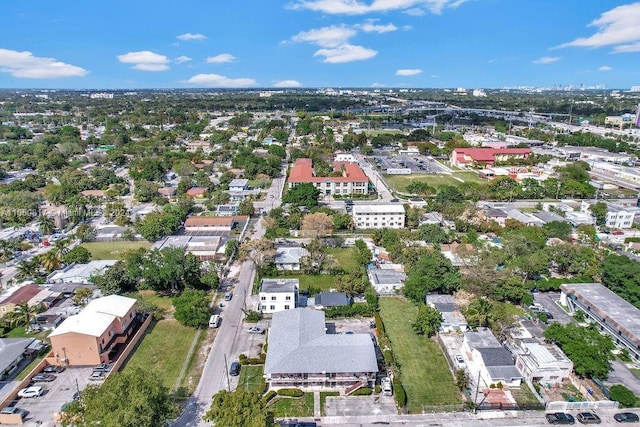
(319, 43)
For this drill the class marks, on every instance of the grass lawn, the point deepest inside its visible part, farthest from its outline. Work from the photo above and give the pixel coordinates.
(151, 297)
(523, 395)
(163, 350)
(323, 398)
(424, 371)
(346, 257)
(251, 378)
(112, 250)
(293, 407)
(635, 371)
(400, 182)
(27, 369)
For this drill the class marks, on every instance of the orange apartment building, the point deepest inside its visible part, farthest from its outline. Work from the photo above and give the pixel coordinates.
(93, 335)
(352, 179)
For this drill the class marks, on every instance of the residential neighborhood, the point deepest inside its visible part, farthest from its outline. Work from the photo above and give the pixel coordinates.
(345, 266)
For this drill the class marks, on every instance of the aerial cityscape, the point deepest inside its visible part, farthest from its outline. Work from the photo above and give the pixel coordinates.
(319, 213)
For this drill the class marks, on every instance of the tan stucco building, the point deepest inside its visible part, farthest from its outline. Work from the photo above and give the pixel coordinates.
(89, 337)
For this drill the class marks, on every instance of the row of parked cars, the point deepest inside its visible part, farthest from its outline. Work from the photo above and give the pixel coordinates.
(561, 418)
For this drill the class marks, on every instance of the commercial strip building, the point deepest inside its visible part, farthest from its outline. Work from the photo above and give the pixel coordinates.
(350, 180)
(379, 215)
(612, 314)
(301, 354)
(463, 157)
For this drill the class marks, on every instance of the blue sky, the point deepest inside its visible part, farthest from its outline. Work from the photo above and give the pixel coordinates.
(318, 43)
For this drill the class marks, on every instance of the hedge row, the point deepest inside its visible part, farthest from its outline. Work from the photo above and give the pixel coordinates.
(290, 392)
(269, 396)
(359, 309)
(244, 360)
(399, 393)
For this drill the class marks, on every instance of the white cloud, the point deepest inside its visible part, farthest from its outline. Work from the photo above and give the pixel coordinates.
(181, 59)
(547, 60)
(222, 58)
(370, 26)
(216, 80)
(355, 7)
(605, 68)
(617, 27)
(345, 53)
(377, 84)
(190, 36)
(332, 36)
(25, 65)
(414, 11)
(434, 76)
(408, 72)
(287, 83)
(145, 60)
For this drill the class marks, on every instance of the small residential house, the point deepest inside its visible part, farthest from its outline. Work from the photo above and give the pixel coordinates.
(487, 356)
(543, 363)
(88, 338)
(278, 295)
(22, 295)
(12, 352)
(386, 281)
(239, 184)
(301, 354)
(204, 224)
(497, 215)
(197, 192)
(331, 299)
(227, 210)
(452, 318)
(289, 258)
(80, 273)
(167, 192)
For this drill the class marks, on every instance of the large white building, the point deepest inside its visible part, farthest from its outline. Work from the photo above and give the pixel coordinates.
(278, 295)
(379, 215)
(619, 217)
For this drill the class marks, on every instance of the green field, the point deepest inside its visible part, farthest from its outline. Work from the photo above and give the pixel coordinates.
(163, 350)
(425, 374)
(293, 407)
(251, 378)
(112, 250)
(400, 182)
(346, 257)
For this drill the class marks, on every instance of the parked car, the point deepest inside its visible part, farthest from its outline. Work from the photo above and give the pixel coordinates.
(588, 418)
(256, 330)
(103, 367)
(460, 360)
(558, 418)
(626, 417)
(385, 386)
(13, 410)
(234, 371)
(228, 296)
(97, 376)
(43, 378)
(33, 391)
(53, 369)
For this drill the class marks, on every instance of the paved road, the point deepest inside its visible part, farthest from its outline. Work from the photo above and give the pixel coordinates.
(548, 301)
(383, 191)
(226, 346)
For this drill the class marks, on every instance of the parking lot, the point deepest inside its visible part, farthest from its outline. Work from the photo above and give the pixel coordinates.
(41, 409)
(418, 164)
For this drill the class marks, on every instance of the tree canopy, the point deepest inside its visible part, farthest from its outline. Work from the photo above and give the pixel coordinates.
(432, 273)
(239, 408)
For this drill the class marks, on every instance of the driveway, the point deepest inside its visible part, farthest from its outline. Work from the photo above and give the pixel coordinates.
(549, 300)
(360, 405)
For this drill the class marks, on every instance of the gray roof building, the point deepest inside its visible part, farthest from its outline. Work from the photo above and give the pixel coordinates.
(299, 344)
(11, 353)
(452, 318)
(385, 281)
(547, 217)
(496, 363)
(332, 299)
(288, 257)
(279, 285)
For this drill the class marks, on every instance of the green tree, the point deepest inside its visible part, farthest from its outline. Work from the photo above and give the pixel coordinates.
(352, 284)
(461, 380)
(588, 349)
(145, 191)
(622, 276)
(428, 321)
(50, 260)
(85, 233)
(82, 296)
(239, 408)
(478, 312)
(79, 255)
(148, 402)
(599, 210)
(230, 247)
(432, 273)
(246, 207)
(192, 308)
(622, 394)
(171, 270)
(45, 224)
(116, 280)
(305, 194)
(558, 229)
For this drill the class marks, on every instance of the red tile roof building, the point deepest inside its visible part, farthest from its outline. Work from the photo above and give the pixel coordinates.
(351, 181)
(462, 157)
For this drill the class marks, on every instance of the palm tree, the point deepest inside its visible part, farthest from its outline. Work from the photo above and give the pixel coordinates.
(479, 311)
(60, 247)
(7, 249)
(24, 314)
(45, 224)
(51, 260)
(27, 268)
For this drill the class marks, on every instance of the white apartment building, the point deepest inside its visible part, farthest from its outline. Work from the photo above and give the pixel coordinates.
(618, 217)
(344, 157)
(379, 215)
(278, 295)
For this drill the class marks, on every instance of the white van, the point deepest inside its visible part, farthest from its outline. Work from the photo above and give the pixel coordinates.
(214, 321)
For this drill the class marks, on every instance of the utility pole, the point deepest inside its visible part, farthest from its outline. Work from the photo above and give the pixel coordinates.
(475, 399)
(226, 372)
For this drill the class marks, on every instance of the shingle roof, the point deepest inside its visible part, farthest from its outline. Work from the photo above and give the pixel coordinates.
(279, 285)
(290, 254)
(298, 343)
(23, 294)
(11, 349)
(302, 171)
(496, 356)
(332, 299)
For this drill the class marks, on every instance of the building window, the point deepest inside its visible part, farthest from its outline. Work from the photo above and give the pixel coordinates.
(273, 298)
(272, 307)
(263, 298)
(288, 298)
(286, 307)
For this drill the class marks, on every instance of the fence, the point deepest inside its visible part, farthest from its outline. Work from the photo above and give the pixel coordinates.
(586, 405)
(132, 344)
